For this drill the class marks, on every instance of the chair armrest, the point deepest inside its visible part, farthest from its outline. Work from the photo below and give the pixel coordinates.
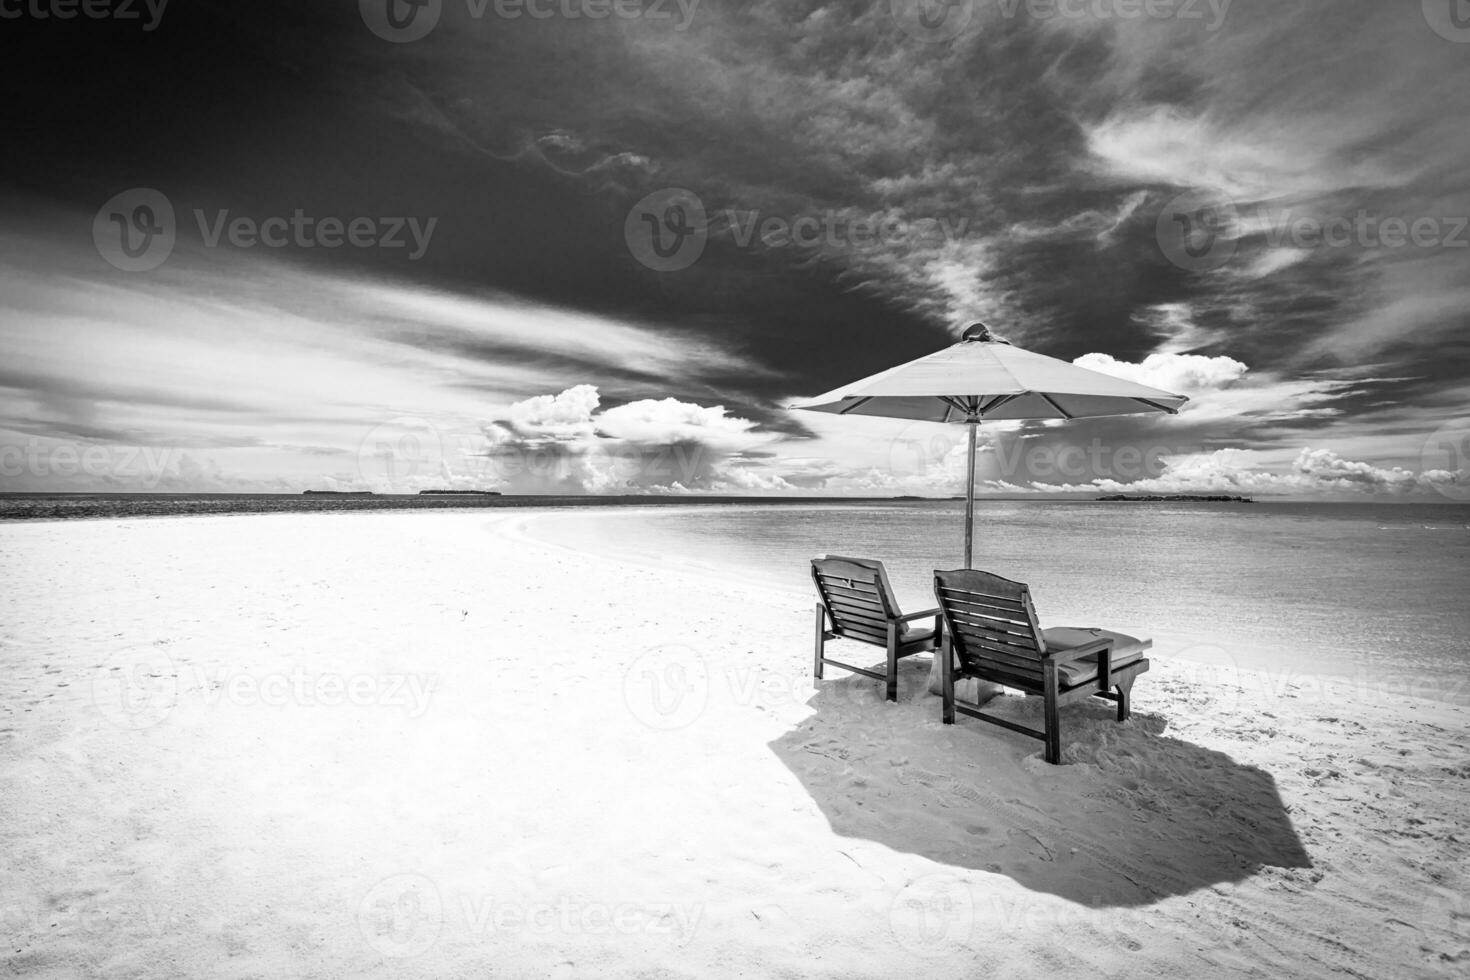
(1077, 653)
(918, 615)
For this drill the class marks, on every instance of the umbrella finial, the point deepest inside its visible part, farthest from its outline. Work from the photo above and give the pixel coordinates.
(979, 333)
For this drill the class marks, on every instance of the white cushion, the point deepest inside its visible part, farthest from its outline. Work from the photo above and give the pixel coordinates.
(915, 632)
(1126, 650)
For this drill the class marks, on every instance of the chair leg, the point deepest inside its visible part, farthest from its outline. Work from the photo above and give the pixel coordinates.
(892, 693)
(946, 679)
(1053, 716)
(820, 644)
(1125, 699)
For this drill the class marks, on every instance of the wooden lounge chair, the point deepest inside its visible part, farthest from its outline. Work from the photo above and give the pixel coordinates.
(990, 628)
(858, 602)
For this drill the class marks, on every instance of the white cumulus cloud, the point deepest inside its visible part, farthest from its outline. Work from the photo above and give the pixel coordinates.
(1315, 472)
(565, 415)
(668, 420)
(1180, 373)
(564, 443)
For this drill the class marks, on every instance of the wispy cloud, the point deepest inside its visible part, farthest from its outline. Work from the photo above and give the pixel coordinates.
(261, 360)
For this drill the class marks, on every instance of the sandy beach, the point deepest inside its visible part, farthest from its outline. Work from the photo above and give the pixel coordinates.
(429, 744)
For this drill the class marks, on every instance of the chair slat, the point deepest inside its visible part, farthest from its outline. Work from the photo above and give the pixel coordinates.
(973, 650)
(995, 595)
(1010, 627)
(1002, 674)
(864, 582)
(859, 631)
(1010, 616)
(856, 584)
(956, 598)
(857, 603)
(835, 591)
(846, 616)
(861, 608)
(1026, 666)
(1021, 641)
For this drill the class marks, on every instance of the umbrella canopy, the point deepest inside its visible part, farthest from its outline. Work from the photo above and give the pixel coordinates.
(994, 381)
(982, 379)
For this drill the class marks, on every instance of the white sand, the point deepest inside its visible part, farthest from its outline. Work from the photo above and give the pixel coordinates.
(422, 744)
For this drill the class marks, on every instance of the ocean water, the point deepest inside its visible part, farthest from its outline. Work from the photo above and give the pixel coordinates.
(1369, 595)
(1363, 594)
(102, 506)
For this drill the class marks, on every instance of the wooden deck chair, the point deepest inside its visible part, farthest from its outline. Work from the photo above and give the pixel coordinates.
(990, 632)
(858, 602)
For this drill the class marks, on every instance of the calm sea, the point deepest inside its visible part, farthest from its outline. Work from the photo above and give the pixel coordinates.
(1350, 592)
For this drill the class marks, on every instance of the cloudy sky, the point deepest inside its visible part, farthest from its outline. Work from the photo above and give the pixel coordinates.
(598, 245)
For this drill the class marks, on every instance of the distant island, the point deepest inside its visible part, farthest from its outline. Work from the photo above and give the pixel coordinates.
(1180, 498)
(473, 493)
(337, 493)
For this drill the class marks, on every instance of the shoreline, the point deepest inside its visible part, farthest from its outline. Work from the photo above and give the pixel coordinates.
(443, 747)
(68, 507)
(29, 507)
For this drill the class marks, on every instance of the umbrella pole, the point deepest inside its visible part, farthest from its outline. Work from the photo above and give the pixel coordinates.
(970, 501)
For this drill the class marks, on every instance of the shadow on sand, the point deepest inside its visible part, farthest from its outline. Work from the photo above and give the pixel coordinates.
(1131, 817)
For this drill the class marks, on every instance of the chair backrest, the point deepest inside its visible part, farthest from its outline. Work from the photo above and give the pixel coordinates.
(992, 625)
(857, 596)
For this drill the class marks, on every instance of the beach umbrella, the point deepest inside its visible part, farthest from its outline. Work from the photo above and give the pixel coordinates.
(985, 379)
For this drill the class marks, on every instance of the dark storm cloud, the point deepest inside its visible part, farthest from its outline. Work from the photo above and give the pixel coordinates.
(1025, 170)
